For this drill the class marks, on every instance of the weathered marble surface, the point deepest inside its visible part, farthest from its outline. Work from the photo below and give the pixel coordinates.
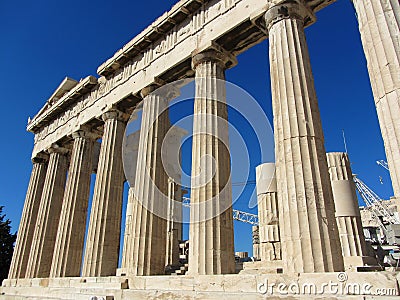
(206, 287)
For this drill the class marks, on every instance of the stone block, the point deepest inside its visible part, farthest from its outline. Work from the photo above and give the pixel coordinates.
(35, 282)
(9, 282)
(59, 282)
(262, 267)
(103, 279)
(209, 283)
(240, 284)
(137, 282)
(170, 283)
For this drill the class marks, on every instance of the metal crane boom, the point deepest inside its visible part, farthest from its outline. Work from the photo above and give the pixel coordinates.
(373, 201)
(383, 163)
(238, 215)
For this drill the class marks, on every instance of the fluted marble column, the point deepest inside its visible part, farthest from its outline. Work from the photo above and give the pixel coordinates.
(268, 214)
(67, 258)
(102, 242)
(174, 223)
(44, 238)
(347, 211)
(379, 24)
(255, 230)
(211, 248)
(144, 250)
(309, 236)
(130, 156)
(28, 220)
(172, 165)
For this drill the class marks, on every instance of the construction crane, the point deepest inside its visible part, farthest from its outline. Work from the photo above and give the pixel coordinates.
(375, 203)
(383, 163)
(238, 215)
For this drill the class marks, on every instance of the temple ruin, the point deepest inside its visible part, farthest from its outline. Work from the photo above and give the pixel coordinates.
(309, 220)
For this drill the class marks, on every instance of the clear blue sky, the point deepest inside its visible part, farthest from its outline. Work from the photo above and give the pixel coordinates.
(44, 41)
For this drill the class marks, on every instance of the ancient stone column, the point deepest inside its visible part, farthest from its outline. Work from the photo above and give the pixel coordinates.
(130, 157)
(144, 251)
(256, 241)
(48, 216)
(129, 224)
(174, 223)
(67, 258)
(172, 165)
(103, 238)
(309, 236)
(211, 223)
(348, 216)
(268, 215)
(28, 220)
(379, 24)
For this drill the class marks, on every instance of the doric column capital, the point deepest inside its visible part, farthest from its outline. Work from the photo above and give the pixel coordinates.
(85, 134)
(167, 92)
(148, 90)
(216, 54)
(40, 158)
(289, 9)
(115, 114)
(58, 149)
